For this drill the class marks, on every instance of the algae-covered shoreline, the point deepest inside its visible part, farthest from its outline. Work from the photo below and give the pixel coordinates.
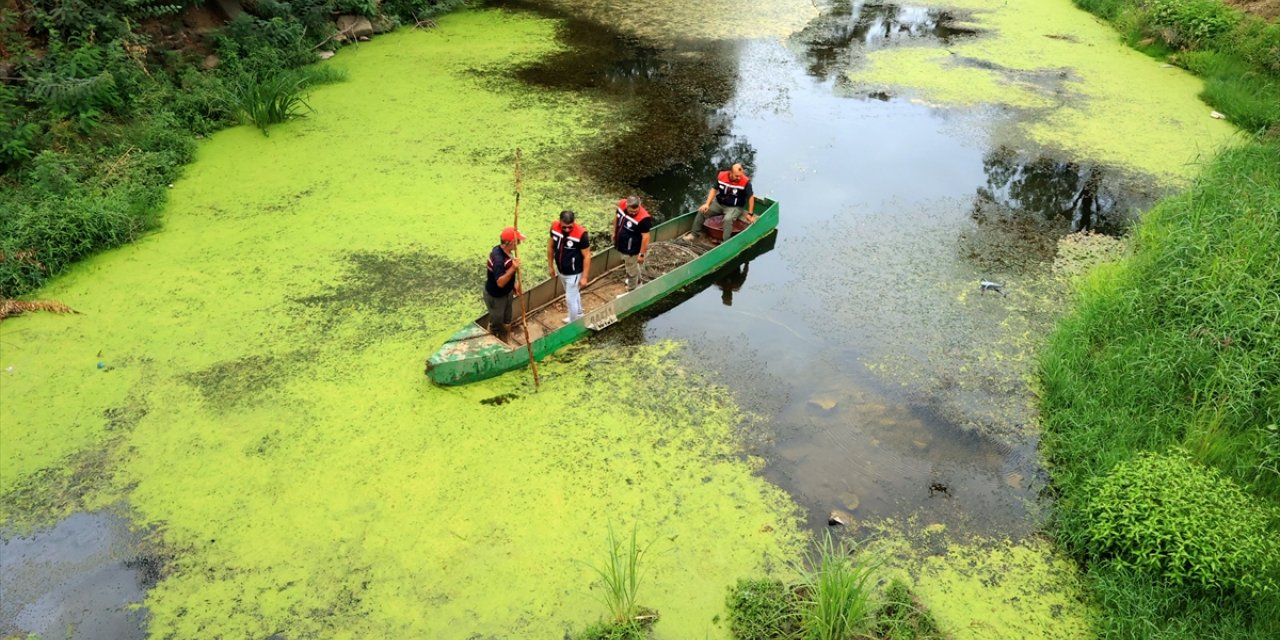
(281, 441)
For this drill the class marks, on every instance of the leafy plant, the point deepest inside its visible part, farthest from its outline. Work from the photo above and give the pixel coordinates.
(1194, 23)
(1166, 515)
(764, 609)
(838, 585)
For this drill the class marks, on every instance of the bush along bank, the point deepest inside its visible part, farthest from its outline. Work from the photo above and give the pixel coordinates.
(100, 103)
(1237, 54)
(1161, 400)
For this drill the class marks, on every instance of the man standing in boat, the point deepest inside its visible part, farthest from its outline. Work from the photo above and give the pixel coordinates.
(500, 282)
(731, 192)
(631, 237)
(569, 254)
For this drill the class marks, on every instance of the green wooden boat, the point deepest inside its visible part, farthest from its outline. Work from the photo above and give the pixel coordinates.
(473, 353)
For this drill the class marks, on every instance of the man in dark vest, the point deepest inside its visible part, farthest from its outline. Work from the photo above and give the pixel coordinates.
(731, 192)
(500, 282)
(631, 237)
(569, 255)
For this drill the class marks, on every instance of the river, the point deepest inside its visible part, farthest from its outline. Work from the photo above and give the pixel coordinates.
(260, 415)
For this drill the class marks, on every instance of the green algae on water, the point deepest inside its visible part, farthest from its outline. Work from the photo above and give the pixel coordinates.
(292, 456)
(990, 589)
(1079, 88)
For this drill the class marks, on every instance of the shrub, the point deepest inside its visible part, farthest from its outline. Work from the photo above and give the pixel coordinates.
(1192, 23)
(1164, 514)
(763, 609)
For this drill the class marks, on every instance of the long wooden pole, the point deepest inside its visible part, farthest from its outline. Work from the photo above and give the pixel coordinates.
(524, 312)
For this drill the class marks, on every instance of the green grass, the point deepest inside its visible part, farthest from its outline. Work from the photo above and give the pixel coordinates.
(901, 617)
(1134, 606)
(839, 598)
(628, 630)
(764, 609)
(620, 576)
(1179, 348)
(271, 100)
(837, 604)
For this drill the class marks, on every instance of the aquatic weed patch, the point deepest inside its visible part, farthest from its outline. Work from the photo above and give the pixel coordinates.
(1075, 89)
(245, 380)
(987, 588)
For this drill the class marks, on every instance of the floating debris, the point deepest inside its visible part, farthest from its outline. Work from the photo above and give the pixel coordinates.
(840, 518)
(987, 285)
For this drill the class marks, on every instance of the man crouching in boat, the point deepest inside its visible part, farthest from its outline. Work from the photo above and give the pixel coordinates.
(569, 253)
(500, 282)
(728, 195)
(631, 227)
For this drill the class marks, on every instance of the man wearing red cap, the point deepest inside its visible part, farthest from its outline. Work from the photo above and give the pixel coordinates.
(500, 282)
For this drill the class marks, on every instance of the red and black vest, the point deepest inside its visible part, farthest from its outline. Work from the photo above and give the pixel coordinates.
(567, 246)
(629, 228)
(733, 193)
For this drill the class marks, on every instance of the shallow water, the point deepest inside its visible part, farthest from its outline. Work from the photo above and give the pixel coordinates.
(262, 405)
(873, 367)
(82, 579)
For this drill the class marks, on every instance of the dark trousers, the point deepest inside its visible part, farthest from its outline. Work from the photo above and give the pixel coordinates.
(499, 309)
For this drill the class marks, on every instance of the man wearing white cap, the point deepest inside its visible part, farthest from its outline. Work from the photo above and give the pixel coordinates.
(500, 282)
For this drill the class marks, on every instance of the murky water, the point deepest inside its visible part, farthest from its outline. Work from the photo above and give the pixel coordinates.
(917, 202)
(82, 579)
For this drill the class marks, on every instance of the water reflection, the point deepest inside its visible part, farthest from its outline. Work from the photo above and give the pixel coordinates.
(731, 282)
(678, 95)
(850, 28)
(1087, 197)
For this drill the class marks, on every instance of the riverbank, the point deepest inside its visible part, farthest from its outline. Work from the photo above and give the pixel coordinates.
(1158, 390)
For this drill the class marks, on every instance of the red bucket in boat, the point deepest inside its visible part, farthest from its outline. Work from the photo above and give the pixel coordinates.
(714, 226)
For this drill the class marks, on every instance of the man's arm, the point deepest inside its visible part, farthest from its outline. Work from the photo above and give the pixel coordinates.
(644, 246)
(510, 273)
(551, 257)
(586, 267)
(751, 209)
(707, 205)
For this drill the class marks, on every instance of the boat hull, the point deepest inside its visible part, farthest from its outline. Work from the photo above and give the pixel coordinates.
(460, 360)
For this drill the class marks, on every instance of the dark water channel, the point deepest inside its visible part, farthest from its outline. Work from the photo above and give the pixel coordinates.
(889, 209)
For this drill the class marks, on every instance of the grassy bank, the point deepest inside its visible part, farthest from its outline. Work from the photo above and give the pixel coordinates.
(1160, 391)
(99, 106)
(1161, 396)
